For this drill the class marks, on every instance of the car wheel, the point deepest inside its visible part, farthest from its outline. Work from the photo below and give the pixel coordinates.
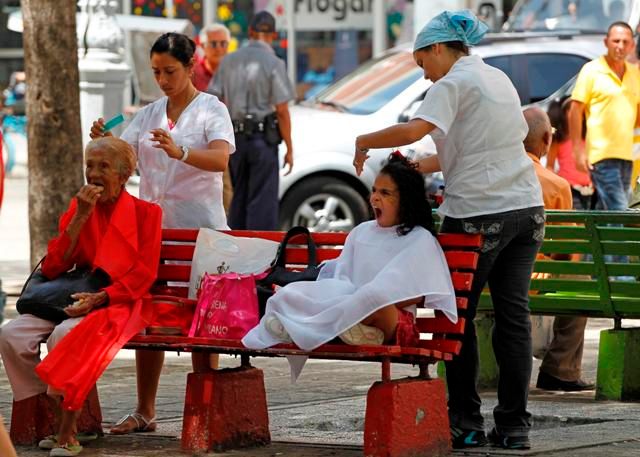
(323, 204)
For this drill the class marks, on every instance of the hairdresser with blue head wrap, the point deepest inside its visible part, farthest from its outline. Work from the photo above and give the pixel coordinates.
(473, 113)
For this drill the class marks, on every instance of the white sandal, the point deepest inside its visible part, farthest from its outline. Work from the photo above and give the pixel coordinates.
(142, 424)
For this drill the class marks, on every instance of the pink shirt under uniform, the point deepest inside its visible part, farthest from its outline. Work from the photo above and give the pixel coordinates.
(567, 166)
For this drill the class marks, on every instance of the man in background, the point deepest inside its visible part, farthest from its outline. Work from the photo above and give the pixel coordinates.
(561, 367)
(214, 40)
(607, 92)
(254, 85)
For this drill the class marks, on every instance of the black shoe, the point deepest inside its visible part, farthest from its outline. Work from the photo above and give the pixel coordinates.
(509, 442)
(548, 382)
(462, 438)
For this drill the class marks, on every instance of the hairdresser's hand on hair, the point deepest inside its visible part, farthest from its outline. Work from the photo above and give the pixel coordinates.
(360, 157)
(97, 129)
(162, 140)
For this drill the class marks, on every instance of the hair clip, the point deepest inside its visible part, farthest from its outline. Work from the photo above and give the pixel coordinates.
(397, 153)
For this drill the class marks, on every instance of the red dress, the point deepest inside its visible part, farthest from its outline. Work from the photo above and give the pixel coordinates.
(124, 240)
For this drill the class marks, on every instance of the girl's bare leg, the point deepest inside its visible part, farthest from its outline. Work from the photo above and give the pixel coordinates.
(386, 319)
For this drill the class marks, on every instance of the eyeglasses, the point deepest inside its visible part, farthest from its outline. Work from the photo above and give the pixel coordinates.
(222, 43)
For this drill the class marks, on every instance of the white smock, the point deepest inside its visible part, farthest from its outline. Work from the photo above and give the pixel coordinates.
(376, 268)
(189, 197)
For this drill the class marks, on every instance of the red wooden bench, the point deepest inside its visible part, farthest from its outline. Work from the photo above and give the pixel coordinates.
(227, 408)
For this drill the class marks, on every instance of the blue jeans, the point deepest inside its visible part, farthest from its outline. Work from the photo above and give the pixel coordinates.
(511, 242)
(612, 179)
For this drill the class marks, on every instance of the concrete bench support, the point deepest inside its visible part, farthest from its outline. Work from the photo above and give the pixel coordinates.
(225, 409)
(406, 417)
(619, 365)
(33, 418)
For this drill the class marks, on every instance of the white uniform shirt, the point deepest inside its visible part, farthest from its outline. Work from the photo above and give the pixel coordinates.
(189, 197)
(479, 132)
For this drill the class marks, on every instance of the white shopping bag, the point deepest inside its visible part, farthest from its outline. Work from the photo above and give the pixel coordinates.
(218, 253)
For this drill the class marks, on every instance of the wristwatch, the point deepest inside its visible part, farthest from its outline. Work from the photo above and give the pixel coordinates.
(185, 153)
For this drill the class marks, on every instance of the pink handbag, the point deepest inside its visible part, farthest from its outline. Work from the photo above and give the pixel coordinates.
(227, 306)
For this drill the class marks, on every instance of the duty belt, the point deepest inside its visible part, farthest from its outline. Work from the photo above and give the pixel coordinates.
(248, 127)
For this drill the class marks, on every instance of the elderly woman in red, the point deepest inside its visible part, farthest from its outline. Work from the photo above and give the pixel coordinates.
(104, 228)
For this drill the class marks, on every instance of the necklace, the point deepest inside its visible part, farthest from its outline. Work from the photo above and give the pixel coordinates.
(178, 112)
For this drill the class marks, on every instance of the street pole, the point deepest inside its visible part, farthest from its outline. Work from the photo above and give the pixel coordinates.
(209, 9)
(168, 6)
(379, 27)
(291, 42)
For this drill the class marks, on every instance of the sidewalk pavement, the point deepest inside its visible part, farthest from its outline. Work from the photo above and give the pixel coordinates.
(323, 414)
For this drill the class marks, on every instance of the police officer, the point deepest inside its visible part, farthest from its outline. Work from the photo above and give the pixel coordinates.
(253, 83)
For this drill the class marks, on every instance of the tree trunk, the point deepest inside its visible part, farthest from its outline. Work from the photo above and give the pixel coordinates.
(53, 113)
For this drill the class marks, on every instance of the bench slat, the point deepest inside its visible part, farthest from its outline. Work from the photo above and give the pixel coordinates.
(466, 260)
(461, 281)
(440, 324)
(457, 240)
(442, 345)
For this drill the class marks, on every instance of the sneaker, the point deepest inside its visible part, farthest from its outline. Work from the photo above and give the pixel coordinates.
(509, 442)
(462, 438)
(361, 334)
(276, 329)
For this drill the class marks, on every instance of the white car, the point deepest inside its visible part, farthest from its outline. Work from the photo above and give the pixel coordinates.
(323, 191)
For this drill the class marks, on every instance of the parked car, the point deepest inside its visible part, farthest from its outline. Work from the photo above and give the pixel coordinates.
(323, 192)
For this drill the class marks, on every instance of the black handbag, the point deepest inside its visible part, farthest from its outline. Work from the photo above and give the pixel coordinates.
(279, 275)
(46, 298)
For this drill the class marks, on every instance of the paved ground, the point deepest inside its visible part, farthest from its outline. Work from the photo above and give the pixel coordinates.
(321, 415)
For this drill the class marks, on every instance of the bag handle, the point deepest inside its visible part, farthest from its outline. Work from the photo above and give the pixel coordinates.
(282, 249)
(24, 286)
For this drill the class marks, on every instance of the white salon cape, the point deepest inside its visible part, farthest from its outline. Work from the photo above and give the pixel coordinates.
(376, 268)
(189, 197)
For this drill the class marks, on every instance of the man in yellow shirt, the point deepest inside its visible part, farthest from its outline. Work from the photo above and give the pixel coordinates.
(607, 92)
(561, 367)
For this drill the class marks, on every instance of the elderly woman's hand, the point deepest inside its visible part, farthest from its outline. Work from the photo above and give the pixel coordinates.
(87, 198)
(164, 141)
(97, 129)
(85, 303)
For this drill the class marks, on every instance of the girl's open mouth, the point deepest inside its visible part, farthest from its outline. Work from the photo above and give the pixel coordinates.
(377, 212)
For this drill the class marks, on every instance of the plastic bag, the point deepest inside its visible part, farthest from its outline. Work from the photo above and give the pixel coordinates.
(227, 306)
(219, 253)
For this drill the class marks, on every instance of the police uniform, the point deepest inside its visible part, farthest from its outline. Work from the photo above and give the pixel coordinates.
(251, 81)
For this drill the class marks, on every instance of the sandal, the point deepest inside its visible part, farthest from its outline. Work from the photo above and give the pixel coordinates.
(142, 424)
(51, 441)
(68, 450)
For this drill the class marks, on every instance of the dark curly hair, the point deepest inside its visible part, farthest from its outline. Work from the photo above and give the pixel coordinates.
(414, 208)
(179, 46)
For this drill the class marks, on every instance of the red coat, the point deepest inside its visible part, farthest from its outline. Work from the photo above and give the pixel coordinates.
(123, 240)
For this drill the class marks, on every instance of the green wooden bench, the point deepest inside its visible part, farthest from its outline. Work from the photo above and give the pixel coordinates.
(597, 287)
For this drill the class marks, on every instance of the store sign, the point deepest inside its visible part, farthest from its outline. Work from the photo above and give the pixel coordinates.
(326, 14)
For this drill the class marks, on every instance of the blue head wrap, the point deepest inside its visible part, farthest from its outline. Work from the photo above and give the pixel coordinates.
(461, 26)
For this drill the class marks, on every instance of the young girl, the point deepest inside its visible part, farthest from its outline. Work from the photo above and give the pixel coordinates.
(368, 294)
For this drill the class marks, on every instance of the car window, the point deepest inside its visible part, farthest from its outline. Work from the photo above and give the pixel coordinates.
(548, 72)
(556, 15)
(373, 84)
(508, 64)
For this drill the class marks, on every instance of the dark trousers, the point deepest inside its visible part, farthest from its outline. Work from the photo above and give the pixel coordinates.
(254, 173)
(511, 242)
